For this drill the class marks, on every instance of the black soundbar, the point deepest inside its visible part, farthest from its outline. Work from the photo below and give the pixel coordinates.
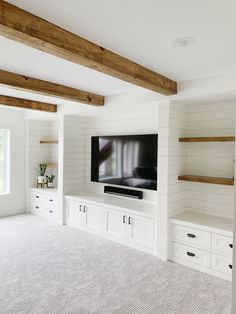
(123, 192)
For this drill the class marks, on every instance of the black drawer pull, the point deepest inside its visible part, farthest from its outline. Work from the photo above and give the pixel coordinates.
(231, 245)
(124, 219)
(50, 200)
(37, 207)
(190, 235)
(230, 266)
(190, 254)
(130, 221)
(51, 211)
(37, 196)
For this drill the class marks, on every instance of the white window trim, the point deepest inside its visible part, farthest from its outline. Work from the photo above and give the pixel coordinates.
(7, 158)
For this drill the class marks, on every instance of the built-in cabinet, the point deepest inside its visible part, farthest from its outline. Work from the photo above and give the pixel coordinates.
(44, 203)
(203, 242)
(84, 215)
(137, 230)
(130, 227)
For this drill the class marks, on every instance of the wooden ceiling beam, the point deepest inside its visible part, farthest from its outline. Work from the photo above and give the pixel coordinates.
(31, 30)
(27, 83)
(28, 104)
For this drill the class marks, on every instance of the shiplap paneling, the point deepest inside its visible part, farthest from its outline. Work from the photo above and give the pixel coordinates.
(37, 153)
(123, 123)
(74, 154)
(212, 159)
(171, 160)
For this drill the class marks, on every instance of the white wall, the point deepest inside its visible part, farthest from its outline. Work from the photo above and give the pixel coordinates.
(74, 153)
(121, 117)
(37, 153)
(13, 203)
(171, 160)
(210, 159)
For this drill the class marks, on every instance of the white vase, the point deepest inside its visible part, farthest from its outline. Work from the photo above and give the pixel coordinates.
(50, 185)
(41, 179)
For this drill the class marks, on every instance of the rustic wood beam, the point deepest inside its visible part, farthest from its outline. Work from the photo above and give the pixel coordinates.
(31, 30)
(27, 83)
(28, 104)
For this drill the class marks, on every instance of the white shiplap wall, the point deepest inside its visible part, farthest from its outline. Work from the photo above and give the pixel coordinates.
(74, 153)
(171, 160)
(37, 153)
(142, 121)
(212, 159)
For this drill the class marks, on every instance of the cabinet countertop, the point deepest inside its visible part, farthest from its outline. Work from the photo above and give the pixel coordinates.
(210, 222)
(116, 202)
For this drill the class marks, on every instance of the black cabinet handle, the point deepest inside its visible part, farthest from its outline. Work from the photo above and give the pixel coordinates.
(230, 266)
(231, 245)
(37, 207)
(50, 200)
(37, 196)
(129, 220)
(50, 211)
(80, 208)
(124, 219)
(85, 209)
(190, 254)
(190, 235)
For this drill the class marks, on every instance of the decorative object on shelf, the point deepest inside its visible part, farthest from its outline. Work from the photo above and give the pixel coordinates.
(41, 180)
(51, 179)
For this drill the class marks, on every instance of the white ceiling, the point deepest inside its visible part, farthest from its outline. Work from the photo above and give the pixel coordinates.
(142, 30)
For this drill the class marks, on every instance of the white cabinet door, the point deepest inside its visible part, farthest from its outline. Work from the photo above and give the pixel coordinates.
(115, 223)
(74, 212)
(92, 217)
(142, 231)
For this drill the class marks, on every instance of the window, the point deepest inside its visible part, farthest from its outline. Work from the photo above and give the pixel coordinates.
(4, 160)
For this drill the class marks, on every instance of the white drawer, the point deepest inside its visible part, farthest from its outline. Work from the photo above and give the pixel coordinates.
(36, 197)
(192, 236)
(36, 209)
(50, 202)
(221, 263)
(51, 213)
(191, 255)
(222, 244)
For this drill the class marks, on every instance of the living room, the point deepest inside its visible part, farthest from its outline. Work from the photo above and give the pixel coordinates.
(116, 181)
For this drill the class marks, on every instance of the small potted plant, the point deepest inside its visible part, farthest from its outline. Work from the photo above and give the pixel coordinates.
(41, 173)
(51, 181)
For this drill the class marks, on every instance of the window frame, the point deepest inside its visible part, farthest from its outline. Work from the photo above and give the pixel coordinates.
(7, 161)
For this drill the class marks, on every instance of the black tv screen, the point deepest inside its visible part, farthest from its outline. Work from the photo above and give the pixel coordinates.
(128, 160)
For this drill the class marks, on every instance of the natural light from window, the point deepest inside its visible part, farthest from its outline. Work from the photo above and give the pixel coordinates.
(4, 161)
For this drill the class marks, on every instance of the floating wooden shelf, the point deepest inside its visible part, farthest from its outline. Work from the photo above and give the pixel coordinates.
(205, 179)
(48, 142)
(52, 165)
(208, 139)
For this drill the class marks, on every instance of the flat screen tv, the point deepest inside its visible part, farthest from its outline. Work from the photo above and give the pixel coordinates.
(127, 160)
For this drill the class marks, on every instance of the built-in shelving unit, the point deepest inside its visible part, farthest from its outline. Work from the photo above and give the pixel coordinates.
(48, 142)
(205, 179)
(207, 139)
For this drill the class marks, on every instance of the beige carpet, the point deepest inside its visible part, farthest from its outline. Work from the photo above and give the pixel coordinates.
(52, 269)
